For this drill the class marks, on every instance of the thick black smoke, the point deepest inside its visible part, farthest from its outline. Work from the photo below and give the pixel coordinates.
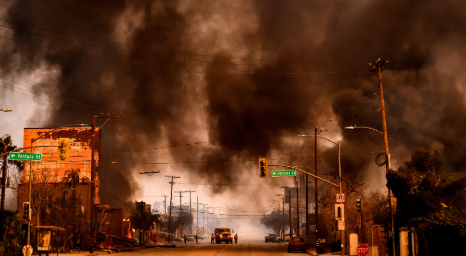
(248, 76)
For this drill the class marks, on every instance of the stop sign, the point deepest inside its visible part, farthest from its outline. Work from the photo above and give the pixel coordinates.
(362, 250)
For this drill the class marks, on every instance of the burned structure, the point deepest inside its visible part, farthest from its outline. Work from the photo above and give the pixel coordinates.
(61, 184)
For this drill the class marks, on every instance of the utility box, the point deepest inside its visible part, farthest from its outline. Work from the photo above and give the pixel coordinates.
(404, 241)
(353, 244)
(374, 251)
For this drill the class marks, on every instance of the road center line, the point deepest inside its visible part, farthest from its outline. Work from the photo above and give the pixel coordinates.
(222, 250)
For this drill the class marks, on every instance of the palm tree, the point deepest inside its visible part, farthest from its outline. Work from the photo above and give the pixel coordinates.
(6, 145)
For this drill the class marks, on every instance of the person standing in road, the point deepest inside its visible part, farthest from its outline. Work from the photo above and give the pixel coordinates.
(212, 239)
(236, 238)
(196, 239)
(185, 239)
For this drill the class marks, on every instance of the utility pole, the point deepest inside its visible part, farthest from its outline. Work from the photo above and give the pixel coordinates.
(170, 211)
(181, 211)
(203, 216)
(316, 192)
(165, 204)
(283, 225)
(181, 215)
(377, 67)
(197, 213)
(307, 240)
(207, 223)
(297, 207)
(93, 166)
(190, 225)
(289, 204)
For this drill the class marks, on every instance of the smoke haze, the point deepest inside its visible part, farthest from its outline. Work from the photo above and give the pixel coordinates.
(214, 85)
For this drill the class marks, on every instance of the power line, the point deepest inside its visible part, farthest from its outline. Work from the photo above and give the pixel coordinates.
(186, 68)
(129, 45)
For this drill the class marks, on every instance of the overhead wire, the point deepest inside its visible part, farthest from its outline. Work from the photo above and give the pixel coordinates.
(130, 45)
(186, 68)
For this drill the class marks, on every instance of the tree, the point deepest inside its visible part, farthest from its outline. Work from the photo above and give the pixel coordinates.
(274, 221)
(65, 211)
(6, 145)
(430, 201)
(13, 235)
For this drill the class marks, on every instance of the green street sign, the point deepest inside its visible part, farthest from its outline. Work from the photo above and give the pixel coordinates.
(283, 173)
(25, 156)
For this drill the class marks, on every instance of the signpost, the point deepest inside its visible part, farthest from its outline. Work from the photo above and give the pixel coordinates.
(25, 156)
(283, 173)
(362, 250)
(340, 198)
(295, 223)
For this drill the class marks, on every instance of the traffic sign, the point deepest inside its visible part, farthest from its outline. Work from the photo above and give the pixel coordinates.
(362, 250)
(341, 224)
(196, 228)
(25, 156)
(282, 173)
(340, 198)
(295, 223)
(338, 178)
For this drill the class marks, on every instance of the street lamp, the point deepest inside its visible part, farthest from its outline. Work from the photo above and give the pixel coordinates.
(30, 171)
(339, 179)
(362, 127)
(387, 168)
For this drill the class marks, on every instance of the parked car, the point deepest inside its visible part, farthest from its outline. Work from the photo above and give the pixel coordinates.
(271, 238)
(297, 244)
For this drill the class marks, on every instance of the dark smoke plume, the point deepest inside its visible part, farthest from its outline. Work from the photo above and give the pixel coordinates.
(248, 76)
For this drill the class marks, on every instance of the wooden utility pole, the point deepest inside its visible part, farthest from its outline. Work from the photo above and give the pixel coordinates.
(316, 192)
(377, 67)
(190, 225)
(165, 204)
(170, 211)
(93, 166)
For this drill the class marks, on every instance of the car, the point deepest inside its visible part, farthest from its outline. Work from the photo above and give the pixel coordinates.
(271, 238)
(297, 244)
(190, 238)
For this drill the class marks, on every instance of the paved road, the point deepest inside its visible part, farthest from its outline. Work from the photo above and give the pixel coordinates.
(245, 247)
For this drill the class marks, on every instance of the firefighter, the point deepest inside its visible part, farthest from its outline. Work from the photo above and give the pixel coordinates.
(236, 238)
(196, 238)
(185, 239)
(212, 238)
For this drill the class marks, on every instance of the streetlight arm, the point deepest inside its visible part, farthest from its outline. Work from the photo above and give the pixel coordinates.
(362, 127)
(336, 143)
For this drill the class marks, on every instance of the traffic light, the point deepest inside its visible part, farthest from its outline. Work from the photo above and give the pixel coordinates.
(339, 212)
(263, 169)
(359, 204)
(27, 213)
(63, 149)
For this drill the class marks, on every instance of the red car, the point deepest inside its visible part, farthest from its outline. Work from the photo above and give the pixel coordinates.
(297, 244)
